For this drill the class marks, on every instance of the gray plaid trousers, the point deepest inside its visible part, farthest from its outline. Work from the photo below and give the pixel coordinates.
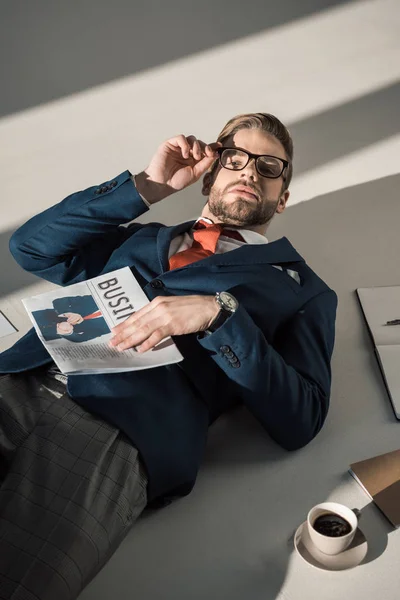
(71, 486)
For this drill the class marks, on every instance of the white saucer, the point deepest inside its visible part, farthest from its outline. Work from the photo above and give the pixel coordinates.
(351, 557)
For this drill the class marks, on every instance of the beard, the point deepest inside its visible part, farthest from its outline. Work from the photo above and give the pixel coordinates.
(241, 211)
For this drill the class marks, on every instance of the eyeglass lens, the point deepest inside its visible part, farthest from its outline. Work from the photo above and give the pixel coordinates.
(268, 166)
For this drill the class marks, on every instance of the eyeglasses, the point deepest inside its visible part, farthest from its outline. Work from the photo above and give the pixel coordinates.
(237, 159)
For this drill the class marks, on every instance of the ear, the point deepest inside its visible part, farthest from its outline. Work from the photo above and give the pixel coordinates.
(282, 202)
(205, 190)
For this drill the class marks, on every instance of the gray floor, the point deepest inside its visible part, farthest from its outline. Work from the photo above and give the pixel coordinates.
(91, 89)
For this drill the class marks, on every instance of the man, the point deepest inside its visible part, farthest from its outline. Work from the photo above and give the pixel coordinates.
(76, 318)
(253, 322)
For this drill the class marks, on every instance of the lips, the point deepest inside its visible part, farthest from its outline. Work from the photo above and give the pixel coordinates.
(245, 190)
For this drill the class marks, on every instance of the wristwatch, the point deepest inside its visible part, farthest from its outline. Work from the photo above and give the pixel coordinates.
(228, 305)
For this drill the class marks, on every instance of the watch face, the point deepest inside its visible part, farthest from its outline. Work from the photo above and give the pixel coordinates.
(229, 301)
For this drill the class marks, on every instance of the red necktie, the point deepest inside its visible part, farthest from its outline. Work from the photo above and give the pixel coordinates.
(205, 240)
(93, 315)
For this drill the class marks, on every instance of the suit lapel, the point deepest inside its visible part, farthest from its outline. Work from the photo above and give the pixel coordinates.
(274, 253)
(165, 236)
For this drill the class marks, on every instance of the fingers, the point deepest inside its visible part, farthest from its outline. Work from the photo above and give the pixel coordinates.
(74, 319)
(191, 146)
(132, 323)
(202, 166)
(163, 317)
(214, 146)
(200, 150)
(181, 142)
(142, 338)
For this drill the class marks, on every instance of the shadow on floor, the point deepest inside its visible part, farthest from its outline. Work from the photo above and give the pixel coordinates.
(57, 49)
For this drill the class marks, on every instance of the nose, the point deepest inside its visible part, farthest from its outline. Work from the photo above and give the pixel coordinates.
(250, 170)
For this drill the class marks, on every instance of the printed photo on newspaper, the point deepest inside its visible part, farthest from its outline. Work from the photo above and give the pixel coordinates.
(74, 324)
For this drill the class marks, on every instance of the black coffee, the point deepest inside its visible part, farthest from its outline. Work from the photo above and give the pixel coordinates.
(332, 525)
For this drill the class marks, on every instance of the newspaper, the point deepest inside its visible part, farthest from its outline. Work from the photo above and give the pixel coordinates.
(74, 324)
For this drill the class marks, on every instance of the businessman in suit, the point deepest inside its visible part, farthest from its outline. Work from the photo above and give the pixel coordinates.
(254, 324)
(76, 318)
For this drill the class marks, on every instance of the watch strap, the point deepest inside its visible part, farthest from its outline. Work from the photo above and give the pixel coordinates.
(221, 317)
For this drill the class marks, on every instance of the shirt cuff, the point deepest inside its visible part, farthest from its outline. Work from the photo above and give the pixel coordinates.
(144, 199)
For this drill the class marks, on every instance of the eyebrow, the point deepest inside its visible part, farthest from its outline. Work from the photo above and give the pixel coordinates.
(252, 153)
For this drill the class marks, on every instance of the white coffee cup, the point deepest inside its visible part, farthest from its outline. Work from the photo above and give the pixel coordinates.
(327, 544)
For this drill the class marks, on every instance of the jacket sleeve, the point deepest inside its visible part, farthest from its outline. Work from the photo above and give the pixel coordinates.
(82, 305)
(286, 385)
(73, 240)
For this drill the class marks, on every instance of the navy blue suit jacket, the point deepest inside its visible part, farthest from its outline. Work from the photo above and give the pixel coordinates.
(273, 355)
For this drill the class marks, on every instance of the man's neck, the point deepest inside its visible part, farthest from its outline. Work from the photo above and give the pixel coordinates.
(261, 229)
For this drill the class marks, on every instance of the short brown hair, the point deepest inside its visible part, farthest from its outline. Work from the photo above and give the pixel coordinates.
(267, 123)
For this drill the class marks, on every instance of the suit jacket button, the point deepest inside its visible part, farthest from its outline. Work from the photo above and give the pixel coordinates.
(97, 192)
(235, 365)
(157, 283)
(113, 183)
(225, 349)
(229, 354)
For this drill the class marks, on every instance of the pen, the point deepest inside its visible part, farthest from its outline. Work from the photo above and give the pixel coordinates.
(394, 322)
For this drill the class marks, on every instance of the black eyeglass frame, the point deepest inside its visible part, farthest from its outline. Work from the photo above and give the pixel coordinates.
(250, 155)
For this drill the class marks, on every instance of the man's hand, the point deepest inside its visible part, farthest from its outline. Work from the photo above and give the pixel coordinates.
(178, 162)
(65, 328)
(162, 317)
(73, 318)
